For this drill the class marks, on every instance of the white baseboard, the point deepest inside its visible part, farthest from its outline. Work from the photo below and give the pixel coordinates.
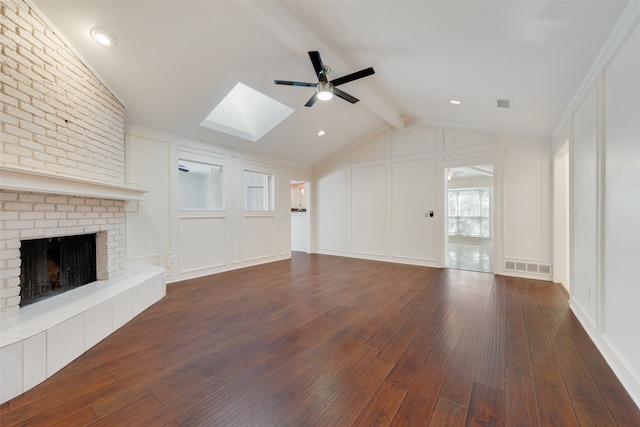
(629, 379)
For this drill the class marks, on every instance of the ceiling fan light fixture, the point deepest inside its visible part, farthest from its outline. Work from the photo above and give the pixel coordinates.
(325, 91)
(104, 37)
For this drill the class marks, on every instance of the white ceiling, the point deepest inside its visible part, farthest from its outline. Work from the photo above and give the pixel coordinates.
(175, 61)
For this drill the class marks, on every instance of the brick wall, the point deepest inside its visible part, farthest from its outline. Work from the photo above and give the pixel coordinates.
(28, 216)
(57, 116)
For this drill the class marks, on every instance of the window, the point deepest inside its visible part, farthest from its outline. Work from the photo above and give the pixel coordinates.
(200, 185)
(470, 212)
(259, 188)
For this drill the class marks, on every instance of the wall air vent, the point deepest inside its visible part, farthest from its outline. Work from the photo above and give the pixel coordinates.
(527, 267)
(544, 269)
(504, 103)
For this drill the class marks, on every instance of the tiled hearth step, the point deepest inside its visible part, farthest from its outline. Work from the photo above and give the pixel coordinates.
(47, 335)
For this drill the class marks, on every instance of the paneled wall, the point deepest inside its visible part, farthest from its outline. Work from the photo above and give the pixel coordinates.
(585, 196)
(196, 242)
(605, 201)
(410, 230)
(332, 214)
(375, 200)
(621, 206)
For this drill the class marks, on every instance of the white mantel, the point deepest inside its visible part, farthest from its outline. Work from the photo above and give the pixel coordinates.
(24, 180)
(39, 339)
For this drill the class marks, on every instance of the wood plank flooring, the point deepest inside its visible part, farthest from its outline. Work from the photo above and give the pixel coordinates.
(330, 341)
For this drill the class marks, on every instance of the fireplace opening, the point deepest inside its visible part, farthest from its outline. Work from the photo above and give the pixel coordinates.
(54, 265)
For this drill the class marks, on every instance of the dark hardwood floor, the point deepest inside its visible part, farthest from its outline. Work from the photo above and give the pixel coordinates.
(330, 341)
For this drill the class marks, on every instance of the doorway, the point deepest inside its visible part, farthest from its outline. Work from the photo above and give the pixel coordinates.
(469, 192)
(561, 217)
(299, 216)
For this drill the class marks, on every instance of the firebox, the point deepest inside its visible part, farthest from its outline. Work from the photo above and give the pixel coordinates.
(54, 265)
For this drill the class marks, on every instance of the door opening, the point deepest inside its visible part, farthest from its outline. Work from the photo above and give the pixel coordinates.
(470, 218)
(299, 216)
(561, 218)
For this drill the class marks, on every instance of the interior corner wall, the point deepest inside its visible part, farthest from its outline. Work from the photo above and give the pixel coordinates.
(605, 178)
(375, 200)
(149, 228)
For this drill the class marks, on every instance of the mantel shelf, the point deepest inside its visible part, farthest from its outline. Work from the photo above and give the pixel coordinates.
(17, 179)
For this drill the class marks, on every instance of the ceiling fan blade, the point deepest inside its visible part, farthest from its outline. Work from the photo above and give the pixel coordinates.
(289, 83)
(344, 95)
(314, 55)
(312, 100)
(353, 76)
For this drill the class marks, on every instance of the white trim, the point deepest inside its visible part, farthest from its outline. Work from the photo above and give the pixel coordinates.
(629, 379)
(17, 179)
(621, 31)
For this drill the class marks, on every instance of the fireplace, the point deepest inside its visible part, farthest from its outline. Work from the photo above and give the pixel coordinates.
(62, 173)
(67, 234)
(37, 205)
(51, 266)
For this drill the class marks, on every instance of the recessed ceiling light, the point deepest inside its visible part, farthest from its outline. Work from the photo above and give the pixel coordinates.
(321, 133)
(104, 37)
(455, 102)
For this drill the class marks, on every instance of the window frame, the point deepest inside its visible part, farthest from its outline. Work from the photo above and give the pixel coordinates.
(480, 217)
(269, 196)
(213, 163)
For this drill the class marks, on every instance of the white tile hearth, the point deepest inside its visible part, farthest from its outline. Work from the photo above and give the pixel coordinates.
(47, 335)
(34, 351)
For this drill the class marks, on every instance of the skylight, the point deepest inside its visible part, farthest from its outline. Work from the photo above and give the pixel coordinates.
(246, 113)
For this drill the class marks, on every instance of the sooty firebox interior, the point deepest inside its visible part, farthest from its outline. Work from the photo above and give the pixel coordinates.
(55, 265)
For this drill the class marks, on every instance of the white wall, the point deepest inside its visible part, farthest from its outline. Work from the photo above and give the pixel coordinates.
(192, 243)
(331, 215)
(411, 231)
(374, 199)
(605, 183)
(585, 199)
(148, 234)
(524, 201)
(368, 201)
(621, 291)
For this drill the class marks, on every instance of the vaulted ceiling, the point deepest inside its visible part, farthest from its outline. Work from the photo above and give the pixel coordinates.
(176, 60)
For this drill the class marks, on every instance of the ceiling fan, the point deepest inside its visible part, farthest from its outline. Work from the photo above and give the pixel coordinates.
(325, 89)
